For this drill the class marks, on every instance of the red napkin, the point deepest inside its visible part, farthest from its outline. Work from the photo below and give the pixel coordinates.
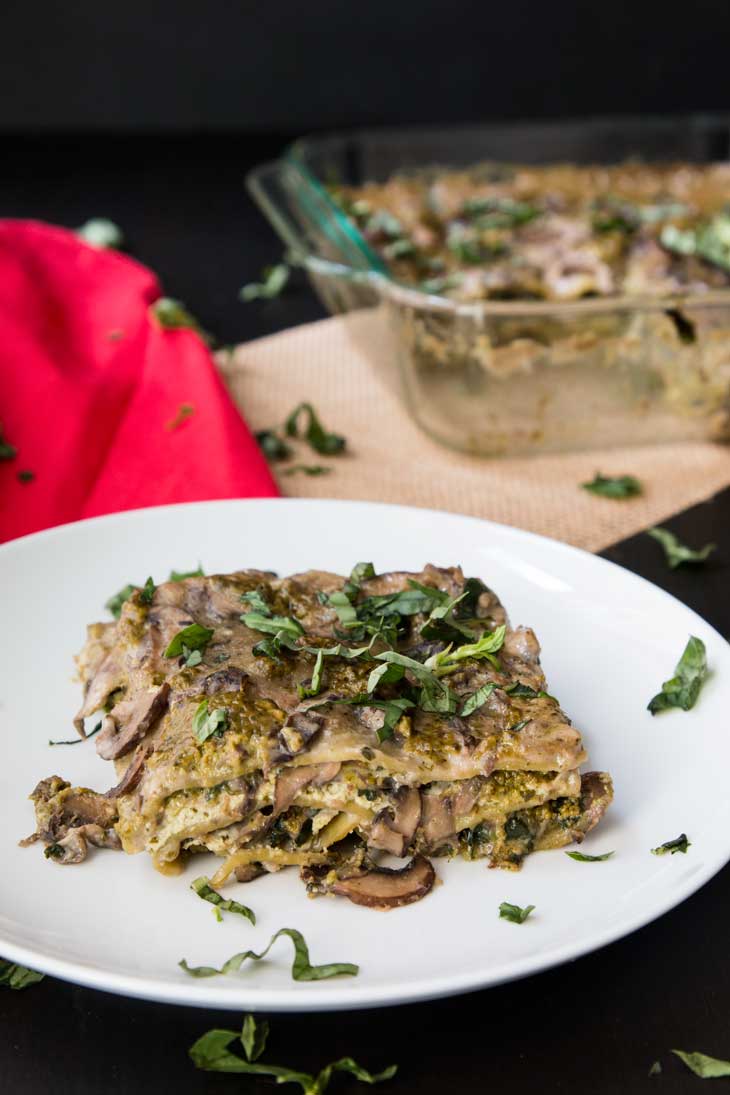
(91, 391)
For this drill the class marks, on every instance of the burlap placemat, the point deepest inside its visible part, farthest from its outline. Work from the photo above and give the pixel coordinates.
(390, 460)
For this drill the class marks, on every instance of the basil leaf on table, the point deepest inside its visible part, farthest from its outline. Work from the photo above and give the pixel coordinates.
(707, 1068)
(317, 437)
(676, 552)
(273, 281)
(618, 486)
(17, 977)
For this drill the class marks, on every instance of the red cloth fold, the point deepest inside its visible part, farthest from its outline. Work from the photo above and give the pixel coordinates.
(91, 388)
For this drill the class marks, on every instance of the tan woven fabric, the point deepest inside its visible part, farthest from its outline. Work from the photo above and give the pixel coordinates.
(391, 460)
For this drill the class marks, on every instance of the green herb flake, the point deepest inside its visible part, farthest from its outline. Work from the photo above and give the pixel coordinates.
(272, 625)
(619, 486)
(655, 1070)
(272, 445)
(676, 552)
(515, 913)
(314, 433)
(684, 687)
(181, 575)
(14, 976)
(194, 637)
(102, 233)
(26, 476)
(147, 592)
(7, 451)
(581, 857)
(77, 741)
(679, 844)
(311, 470)
(313, 689)
(114, 604)
(183, 413)
(273, 281)
(201, 886)
(707, 1068)
(172, 315)
(301, 969)
(477, 699)
(211, 1052)
(206, 723)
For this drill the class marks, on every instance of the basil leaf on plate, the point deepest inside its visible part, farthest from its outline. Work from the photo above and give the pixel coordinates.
(515, 913)
(684, 687)
(679, 844)
(582, 857)
(201, 886)
(301, 969)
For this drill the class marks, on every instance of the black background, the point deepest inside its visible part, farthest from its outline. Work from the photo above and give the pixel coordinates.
(240, 66)
(150, 114)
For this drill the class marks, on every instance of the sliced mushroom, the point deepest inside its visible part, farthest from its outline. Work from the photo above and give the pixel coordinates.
(230, 679)
(132, 775)
(126, 725)
(394, 828)
(107, 678)
(438, 822)
(291, 781)
(298, 731)
(382, 888)
(73, 847)
(60, 808)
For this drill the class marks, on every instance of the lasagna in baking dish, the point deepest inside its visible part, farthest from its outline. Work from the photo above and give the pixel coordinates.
(327, 724)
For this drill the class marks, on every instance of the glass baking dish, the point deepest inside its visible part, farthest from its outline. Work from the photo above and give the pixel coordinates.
(506, 378)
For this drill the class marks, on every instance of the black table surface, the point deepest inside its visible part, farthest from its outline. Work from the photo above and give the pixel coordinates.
(595, 1025)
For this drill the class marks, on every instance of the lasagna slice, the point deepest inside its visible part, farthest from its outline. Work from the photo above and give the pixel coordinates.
(324, 723)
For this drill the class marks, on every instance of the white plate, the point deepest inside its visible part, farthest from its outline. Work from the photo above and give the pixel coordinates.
(609, 640)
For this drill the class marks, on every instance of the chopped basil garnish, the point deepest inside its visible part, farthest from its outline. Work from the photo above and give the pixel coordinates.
(314, 687)
(618, 486)
(114, 604)
(273, 281)
(346, 612)
(301, 969)
(201, 886)
(515, 913)
(148, 592)
(524, 691)
(25, 475)
(679, 844)
(676, 552)
(211, 1052)
(583, 858)
(192, 657)
(684, 687)
(206, 723)
(194, 636)
(314, 433)
(477, 699)
(7, 451)
(184, 411)
(102, 233)
(655, 1070)
(272, 445)
(272, 625)
(256, 602)
(172, 315)
(519, 725)
(17, 977)
(181, 575)
(77, 741)
(707, 1068)
(307, 469)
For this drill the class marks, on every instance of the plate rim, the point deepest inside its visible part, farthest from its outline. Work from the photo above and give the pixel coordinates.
(335, 995)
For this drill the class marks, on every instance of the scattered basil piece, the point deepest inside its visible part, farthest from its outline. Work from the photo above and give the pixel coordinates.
(316, 436)
(360, 573)
(346, 613)
(679, 844)
(655, 1070)
(114, 604)
(211, 1052)
(206, 723)
(676, 552)
(619, 486)
(273, 281)
(272, 445)
(25, 475)
(201, 886)
(184, 411)
(684, 687)
(301, 969)
(102, 233)
(486, 647)
(707, 1068)
(272, 625)
(181, 575)
(17, 977)
(477, 699)
(192, 657)
(194, 636)
(148, 592)
(515, 913)
(256, 602)
(77, 741)
(518, 688)
(7, 451)
(307, 469)
(581, 857)
(172, 315)
(314, 687)
(519, 725)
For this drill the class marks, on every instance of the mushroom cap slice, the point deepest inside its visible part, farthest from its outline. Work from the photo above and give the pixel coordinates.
(382, 888)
